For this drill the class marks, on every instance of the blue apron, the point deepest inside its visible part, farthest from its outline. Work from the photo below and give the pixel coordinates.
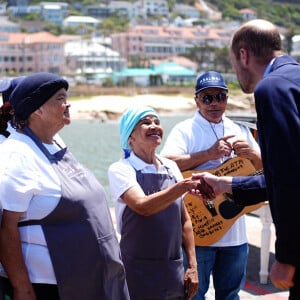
(80, 236)
(151, 246)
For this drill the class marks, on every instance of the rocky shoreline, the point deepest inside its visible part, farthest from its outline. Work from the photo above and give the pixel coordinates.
(111, 107)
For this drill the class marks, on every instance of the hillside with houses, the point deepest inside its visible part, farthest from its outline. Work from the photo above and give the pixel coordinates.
(120, 43)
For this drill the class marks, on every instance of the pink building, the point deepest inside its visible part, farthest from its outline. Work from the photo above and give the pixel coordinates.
(159, 42)
(22, 53)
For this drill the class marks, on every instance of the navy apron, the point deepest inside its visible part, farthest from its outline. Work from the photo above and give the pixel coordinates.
(151, 246)
(80, 235)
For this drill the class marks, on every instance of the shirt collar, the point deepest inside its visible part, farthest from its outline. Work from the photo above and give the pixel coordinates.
(269, 66)
(139, 164)
(202, 121)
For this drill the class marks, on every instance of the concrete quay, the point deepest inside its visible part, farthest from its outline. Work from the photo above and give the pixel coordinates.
(253, 289)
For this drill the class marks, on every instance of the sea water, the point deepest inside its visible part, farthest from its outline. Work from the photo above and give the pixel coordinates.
(97, 144)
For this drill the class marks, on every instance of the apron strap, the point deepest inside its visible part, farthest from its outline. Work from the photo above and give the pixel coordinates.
(53, 158)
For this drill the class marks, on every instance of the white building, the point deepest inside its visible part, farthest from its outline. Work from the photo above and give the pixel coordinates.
(152, 7)
(2, 9)
(74, 21)
(89, 57)
(124, 8)
(54, 12)
(186, 10)
(24, 9)
(8, 26)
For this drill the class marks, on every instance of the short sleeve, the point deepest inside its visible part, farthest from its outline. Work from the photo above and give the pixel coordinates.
(176, 142)
(121, 177)
(17, 186)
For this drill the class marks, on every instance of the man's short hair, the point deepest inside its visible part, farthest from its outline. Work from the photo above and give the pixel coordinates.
(261, 37)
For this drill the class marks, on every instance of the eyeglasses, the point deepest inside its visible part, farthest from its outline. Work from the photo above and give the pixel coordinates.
(208, 99)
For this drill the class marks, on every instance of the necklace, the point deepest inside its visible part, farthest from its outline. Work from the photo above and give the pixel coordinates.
(212, 126)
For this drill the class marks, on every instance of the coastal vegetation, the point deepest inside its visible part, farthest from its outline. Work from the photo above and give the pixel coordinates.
(284, 13)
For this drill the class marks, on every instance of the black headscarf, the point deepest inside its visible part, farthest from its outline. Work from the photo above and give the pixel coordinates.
(33, 91)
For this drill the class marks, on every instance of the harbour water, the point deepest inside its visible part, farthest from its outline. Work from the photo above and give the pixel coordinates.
(96, 144)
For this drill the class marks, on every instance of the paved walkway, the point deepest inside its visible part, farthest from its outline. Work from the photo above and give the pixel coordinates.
(253, 289)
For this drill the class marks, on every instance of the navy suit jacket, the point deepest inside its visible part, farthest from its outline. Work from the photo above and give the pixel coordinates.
(249, 190)
(277, 100)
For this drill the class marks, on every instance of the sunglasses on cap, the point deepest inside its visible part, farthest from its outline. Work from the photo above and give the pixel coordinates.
(208, 99)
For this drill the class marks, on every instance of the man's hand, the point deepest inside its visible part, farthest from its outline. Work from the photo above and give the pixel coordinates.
(242, 149)
(220, 148)
(203, 190)
(191, 282)
(211, 186)
(282, 275)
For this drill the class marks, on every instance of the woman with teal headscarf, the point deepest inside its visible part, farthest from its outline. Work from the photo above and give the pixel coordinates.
(151, 217)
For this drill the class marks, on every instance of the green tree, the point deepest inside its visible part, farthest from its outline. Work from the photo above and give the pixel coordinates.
(288, 41)
(31, 17)
(171, 4)
(222, 60)
(107, 82)
(52, 28)
(139, 61)
(114, 24)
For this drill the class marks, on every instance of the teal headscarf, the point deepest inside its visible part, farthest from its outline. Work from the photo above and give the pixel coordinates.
(128, 121)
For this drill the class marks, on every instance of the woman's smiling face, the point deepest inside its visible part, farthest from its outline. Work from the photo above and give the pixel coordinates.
(147, 133)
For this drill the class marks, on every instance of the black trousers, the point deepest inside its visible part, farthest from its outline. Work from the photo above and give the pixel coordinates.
(42, 291)
(295, 290)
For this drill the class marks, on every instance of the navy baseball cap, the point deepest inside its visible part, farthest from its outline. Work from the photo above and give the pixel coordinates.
(210, 79)
(8, 85)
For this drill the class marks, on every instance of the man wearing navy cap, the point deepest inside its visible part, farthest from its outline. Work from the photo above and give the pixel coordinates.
(205, 142)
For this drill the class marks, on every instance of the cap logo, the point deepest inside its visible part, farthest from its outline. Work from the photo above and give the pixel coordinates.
(209, 78)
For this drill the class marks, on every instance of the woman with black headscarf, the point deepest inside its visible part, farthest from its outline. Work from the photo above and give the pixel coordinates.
(56, 237)
(6, 88)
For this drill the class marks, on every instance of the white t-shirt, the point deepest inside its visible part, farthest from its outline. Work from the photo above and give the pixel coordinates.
(198, 134)
(122, 176)
(30, 185)
(10, 129)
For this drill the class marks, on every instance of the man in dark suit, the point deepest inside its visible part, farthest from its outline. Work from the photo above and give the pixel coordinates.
(262, 68)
